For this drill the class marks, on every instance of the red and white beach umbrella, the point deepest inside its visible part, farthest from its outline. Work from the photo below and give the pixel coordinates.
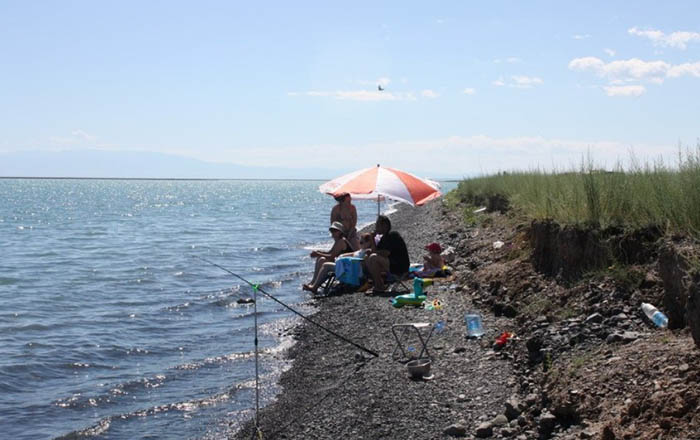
(380, 182)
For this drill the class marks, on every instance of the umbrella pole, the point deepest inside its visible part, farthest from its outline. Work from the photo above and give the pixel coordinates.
(377, 205)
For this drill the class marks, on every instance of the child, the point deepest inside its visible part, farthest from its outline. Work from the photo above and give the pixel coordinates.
(433, 262)
(366, 246)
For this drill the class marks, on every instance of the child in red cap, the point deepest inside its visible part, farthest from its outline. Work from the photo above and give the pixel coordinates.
(433, 262)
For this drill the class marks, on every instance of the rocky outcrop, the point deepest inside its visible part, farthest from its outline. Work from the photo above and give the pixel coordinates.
(681, 280)
(693, 309)
(568, 252)
(673, 268)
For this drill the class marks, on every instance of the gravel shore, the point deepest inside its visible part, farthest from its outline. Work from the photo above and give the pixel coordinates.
(585, 361)
(335, 390)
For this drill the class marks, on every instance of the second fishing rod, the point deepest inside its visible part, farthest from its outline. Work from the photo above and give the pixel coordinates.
(259, 289)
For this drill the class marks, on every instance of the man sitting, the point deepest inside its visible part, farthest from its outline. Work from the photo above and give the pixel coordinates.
(391, 254)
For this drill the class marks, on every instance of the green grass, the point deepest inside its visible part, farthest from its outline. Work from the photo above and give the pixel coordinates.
(642, 195)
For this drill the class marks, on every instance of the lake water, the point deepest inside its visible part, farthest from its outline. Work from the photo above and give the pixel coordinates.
(110, 328)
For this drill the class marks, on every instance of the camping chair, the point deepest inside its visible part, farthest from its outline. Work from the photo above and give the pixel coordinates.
(328, 284)
(397, 283)
(402, 334)
(423, 331)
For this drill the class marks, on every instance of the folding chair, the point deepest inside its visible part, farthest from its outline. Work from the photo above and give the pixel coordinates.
(397, 283)
(420, 328)
(327, 285)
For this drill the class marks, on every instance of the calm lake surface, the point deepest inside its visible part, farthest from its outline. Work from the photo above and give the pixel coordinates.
(111, 328)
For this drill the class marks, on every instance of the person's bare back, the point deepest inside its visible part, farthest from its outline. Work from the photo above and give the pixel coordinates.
(346, 213)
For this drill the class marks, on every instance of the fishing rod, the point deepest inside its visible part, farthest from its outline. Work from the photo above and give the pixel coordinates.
(257, 433)
(256, 287)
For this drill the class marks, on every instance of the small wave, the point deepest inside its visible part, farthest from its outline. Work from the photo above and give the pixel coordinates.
(96, 430)
(78, 401)
(284, 344)
(6, 387)
(84, 365)
(317, 246)
(102, 426)
(5, 281)
(268, 249)
(178, 307)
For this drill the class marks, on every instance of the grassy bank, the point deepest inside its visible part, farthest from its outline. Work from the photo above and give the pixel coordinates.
(643, 195)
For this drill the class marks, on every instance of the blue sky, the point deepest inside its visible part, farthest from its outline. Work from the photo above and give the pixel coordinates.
(470, 87)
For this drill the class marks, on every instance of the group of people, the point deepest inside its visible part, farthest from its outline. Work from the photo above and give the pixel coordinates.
(382, 251)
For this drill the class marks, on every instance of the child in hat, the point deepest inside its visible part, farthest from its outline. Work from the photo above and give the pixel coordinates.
(433, 262)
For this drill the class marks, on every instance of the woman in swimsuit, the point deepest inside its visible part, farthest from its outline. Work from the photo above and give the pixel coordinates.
(340, 246)
(367, 243)
(345, 213)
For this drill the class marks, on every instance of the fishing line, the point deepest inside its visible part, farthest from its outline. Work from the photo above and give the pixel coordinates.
(259, 289)
(257, 433)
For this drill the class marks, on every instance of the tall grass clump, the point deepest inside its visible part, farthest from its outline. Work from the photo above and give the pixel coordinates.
(643, 194)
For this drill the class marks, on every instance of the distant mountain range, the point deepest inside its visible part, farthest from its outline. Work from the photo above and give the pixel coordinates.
(138, 165)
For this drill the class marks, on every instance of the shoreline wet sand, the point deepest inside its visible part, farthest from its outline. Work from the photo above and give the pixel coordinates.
(335, 390)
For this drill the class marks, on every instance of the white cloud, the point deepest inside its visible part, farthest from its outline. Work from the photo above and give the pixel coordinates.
(581, 36)
(83, 135)
(429, 94)
(469, 91)
(519, 81)
(610, 52)
(77, 137)
(678, 40)
(526, 82)
(634, 69)
(690, 69)
(633, 90)
(587, 63)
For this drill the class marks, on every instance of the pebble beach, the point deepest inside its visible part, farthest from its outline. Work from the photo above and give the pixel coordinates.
(335, 390)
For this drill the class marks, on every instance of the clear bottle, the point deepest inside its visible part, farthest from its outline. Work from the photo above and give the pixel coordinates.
(655, 315)
(475, 328)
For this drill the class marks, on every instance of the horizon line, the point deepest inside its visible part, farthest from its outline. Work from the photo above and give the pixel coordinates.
(182, 178)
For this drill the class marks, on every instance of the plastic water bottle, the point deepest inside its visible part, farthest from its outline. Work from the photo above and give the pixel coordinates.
(475, 328)
(655, 315)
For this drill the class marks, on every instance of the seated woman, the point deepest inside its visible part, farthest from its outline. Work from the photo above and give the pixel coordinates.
(366, 243)
(340, 246)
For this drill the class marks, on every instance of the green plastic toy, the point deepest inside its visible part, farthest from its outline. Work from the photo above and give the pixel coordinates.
(410, 299)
